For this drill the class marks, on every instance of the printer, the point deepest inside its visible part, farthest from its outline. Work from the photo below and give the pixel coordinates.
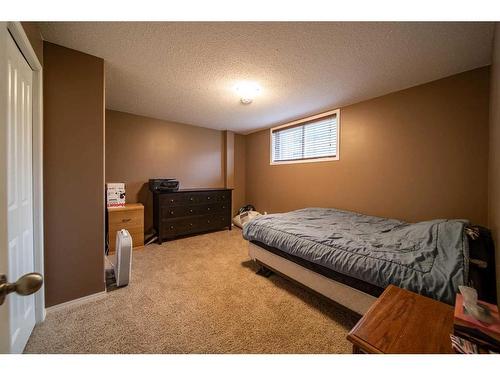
(168, 185)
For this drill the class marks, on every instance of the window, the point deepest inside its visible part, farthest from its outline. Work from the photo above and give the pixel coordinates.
(312, 139)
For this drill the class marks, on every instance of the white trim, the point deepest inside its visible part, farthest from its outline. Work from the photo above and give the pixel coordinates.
(4, 261)
(22, 41)
(300, 161)
(345, 295)
(78, 301)
(300, 121)
(306, 119)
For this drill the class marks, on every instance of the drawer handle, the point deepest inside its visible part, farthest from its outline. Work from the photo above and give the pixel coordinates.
(171, 212)
(208, 198)
(171, 227)
(208, 208)
(190, 211)
(208, 221)
(126, 220)
(223, 206)
(191, 199)
(190, 224)
(171, 201)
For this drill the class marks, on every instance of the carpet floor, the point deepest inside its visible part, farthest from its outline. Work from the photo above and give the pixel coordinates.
(198, 295)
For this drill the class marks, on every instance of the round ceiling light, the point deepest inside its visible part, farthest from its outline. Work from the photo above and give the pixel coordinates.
(247, 91)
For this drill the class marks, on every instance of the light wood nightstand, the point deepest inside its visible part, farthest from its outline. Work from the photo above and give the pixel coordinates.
(403, 322)
(131, 218)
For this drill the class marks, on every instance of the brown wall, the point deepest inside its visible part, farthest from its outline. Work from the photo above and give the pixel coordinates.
(417, 154)
(234, 167)
(35, 37)
(239, 192)
(139, 148)
(73, 174)
(494, 159)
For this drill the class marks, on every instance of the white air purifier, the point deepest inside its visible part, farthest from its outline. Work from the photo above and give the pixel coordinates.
(122, 262)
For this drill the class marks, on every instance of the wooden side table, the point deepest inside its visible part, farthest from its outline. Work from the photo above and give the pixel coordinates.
(403, 322)
(131, 218)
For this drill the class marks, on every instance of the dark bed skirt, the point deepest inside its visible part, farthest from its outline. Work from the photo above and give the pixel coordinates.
(322, 270)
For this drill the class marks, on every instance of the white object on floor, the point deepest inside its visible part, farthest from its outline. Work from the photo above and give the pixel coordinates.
(245, 217)
(122, 259)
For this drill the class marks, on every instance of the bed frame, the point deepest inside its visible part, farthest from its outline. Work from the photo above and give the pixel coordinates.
(345, 295)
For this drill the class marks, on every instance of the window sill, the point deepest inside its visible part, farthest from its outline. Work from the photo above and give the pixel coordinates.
(300, 161)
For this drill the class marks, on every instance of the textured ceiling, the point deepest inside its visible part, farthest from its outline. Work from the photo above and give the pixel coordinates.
(186, 72)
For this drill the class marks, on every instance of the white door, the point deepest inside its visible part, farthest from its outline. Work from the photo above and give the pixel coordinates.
(17, 138)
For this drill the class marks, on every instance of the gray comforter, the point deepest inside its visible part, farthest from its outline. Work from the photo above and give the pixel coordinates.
(430, 257)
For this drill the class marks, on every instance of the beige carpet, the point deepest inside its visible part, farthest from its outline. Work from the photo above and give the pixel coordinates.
(198, 295)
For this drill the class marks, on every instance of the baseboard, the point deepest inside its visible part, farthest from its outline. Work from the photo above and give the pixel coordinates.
(40, 316)
(78, 301)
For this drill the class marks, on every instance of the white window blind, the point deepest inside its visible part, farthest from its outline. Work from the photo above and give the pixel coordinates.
(315, 139)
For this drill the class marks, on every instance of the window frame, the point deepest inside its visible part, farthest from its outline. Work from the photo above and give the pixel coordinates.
(303, 121)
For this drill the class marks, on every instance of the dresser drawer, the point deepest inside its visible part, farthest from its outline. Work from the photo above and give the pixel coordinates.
(216, 196)
(171, 211)
(194, 198)
(215, 222)
(176, 227)
(131, 218)
(173, 200)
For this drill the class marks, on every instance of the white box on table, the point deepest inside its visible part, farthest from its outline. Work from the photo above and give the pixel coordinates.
(115, 194)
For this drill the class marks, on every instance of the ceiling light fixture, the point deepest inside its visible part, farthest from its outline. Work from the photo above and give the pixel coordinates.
(247, 91)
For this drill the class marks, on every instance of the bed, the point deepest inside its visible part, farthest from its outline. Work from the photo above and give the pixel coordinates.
(351, 257)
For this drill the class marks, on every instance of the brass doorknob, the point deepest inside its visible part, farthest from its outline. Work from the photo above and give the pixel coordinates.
(24, 286)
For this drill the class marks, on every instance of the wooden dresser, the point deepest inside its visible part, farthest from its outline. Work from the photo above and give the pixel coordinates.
(131, 218)
(191, 211)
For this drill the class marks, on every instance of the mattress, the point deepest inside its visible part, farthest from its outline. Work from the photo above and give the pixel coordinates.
(430, 258)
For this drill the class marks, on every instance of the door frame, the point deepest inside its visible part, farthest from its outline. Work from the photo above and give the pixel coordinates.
(17, 32)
